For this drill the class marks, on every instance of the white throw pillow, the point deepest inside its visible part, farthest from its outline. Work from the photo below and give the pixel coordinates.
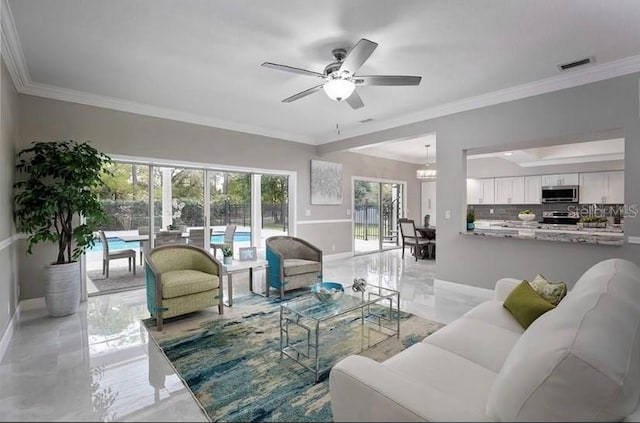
(581, 361)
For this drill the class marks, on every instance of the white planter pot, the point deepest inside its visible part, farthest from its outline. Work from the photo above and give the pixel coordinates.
(227, 260)
(62, 288)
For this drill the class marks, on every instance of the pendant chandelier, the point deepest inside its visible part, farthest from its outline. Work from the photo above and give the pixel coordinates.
(427, 173)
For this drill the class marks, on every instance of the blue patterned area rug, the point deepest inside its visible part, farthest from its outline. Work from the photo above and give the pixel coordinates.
(233, 367)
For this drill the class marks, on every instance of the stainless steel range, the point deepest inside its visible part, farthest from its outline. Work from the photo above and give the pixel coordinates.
(562, 217)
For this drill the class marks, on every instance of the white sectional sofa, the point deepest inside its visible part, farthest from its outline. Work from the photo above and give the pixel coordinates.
(578, 362)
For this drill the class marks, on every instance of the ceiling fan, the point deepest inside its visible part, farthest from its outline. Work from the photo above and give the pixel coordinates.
(340, 79)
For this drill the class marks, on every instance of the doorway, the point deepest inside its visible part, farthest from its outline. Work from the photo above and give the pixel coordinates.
(377, 205)
(428, 198)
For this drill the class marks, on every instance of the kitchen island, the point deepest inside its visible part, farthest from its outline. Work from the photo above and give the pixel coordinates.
(610, 235)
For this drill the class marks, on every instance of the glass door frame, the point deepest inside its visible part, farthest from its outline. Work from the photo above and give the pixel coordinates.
(256, 200)
(379, 181)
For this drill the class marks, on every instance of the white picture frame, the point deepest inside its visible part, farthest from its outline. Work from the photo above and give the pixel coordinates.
(248, 253)
(326, 183)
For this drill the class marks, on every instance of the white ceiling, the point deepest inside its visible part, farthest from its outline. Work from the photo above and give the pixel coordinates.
(412, 150)
(581, 152)
(199, 60)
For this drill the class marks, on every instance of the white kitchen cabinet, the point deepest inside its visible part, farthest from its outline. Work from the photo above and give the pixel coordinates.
(602, 187)
(560, 179)
(532, 189)
(474, 191)
(488, 191)
(509, 190)
(615, 187)
(480, 191)
(592, 187)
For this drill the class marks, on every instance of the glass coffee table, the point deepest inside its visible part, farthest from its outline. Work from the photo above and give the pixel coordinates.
(316, 335)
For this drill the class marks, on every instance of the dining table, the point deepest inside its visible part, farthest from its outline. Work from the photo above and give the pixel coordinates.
(428, 232)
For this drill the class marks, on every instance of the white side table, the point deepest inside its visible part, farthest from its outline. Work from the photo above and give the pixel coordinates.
(241, 266)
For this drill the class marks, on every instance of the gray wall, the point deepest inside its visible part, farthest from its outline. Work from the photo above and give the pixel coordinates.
(128, 134)
(8, 248)
(553, 118)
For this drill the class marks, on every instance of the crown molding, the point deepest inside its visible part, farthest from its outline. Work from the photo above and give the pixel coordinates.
(11, 51)
(113, 103)
(574, 78)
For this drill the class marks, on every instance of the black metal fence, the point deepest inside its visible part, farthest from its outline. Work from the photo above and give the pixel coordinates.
(127, 215)
(366, 219)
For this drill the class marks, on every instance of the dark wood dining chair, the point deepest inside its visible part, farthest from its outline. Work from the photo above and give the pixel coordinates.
(411, 238)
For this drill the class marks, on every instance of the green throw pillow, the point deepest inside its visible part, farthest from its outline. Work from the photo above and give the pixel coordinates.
(525, 304)
(550, 291)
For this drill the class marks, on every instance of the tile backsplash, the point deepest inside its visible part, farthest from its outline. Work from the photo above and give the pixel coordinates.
(510, 211)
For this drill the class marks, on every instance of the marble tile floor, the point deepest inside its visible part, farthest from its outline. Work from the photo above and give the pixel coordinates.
(98, 365)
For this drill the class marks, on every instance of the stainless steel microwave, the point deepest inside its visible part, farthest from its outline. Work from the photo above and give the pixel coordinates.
(560, 194)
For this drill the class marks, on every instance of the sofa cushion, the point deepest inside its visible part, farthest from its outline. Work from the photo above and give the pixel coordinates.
(177, 283)
(447, 372)
(525, 304)
(582, 361)
(553, 292)
(294, 267)
(494, 313)
(478, 341)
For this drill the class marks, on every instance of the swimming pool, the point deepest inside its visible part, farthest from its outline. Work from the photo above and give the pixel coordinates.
(118, 244)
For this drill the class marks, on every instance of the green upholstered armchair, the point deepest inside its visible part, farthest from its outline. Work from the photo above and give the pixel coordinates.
(293, 263)
(181, 279)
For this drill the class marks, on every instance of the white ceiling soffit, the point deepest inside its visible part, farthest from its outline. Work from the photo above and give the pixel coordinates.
(411, 150)
(199, 61)
(581, 152)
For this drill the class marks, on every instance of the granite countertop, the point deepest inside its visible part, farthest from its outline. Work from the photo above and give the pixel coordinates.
(611, 235)
(518, 224)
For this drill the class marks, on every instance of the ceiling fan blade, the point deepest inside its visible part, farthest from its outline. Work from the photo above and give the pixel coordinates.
(358, 55)
(292, 69)
(354, 100)
(387, 80)
(302, 94)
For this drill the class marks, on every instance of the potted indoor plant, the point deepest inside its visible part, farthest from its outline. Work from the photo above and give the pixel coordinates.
(227, 254)
(471, 217)
(56, 201)
(526, 215)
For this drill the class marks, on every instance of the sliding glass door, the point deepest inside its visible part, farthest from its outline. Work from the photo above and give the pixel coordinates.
(125, 200)
(274, 199)
(377, 207)
(149, 205)
(230, 204)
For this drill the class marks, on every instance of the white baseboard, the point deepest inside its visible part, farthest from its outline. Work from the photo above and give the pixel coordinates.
(337, 256)
(463, 288)
(32, 304)
(24, 305)
(8, 334)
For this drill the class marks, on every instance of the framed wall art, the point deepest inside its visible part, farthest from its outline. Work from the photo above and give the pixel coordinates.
(248, 253)
(326, 182)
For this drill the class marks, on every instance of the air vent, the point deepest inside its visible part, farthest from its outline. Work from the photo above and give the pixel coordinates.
(577, 63)
(366, 120)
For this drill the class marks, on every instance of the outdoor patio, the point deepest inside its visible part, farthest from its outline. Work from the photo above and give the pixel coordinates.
(121, 279)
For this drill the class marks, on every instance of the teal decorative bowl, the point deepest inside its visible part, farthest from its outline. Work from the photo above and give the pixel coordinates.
(328, 292)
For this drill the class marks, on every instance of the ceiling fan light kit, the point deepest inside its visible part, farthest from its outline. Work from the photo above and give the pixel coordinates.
(339, 89)
(340, 77)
